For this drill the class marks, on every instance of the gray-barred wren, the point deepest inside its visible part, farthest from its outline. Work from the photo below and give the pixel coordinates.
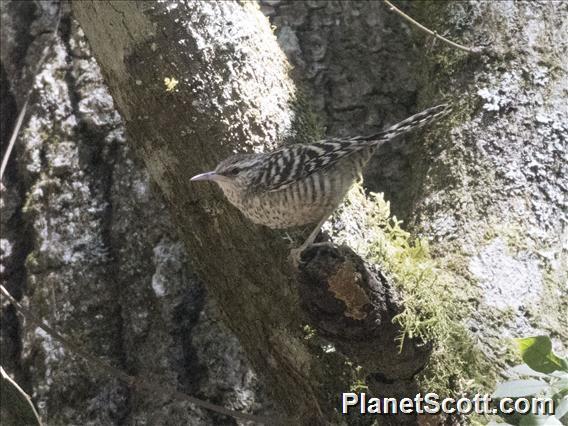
(304, 183)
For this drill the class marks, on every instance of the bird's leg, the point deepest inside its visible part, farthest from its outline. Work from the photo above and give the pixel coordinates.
(312, 237)
(296, 253)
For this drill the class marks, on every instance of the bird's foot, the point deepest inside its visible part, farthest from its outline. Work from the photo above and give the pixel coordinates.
(295, 256)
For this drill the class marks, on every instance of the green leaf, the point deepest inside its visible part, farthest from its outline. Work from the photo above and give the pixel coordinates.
(519, 388)
(537, 354)
(16, 402)
(562, 409)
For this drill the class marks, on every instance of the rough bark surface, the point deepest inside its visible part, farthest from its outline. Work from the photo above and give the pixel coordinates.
(88, 245)
(494, 193)
(234, 93)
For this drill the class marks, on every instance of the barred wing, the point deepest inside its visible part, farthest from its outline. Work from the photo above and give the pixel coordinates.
(288, 165)
(291, 164)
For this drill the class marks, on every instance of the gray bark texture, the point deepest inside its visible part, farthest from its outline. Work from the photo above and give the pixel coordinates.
(211, 305)
(90, 247)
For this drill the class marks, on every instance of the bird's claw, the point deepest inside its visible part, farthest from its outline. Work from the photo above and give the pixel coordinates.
(296, 256)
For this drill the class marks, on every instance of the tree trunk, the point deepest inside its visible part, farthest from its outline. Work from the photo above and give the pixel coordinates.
(196, 81)
(90, 247)
(234, 93)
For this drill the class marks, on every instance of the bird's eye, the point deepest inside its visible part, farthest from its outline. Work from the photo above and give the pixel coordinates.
(234, 171)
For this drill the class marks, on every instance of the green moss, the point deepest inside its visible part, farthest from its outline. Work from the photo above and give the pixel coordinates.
(309, 332)
(437, 289)
(358, 384)
(433, 309)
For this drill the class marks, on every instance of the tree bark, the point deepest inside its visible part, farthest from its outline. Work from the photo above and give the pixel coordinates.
(234, 93)
(492, 194)
(89, 246)
(487, 188)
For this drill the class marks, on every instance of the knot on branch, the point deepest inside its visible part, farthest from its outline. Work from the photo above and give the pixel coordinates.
(353, 306)
(340, 296)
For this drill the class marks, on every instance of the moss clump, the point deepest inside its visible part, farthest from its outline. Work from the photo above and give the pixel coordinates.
(358, 382)
(308, 331)
(433, 311)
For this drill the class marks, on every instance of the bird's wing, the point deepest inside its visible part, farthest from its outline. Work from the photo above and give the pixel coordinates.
(294, 163)
(290, 164)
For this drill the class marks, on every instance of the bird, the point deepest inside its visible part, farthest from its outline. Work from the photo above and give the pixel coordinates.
(302, 184)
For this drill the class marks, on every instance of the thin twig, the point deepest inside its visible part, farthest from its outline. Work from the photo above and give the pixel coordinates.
(23, 395)
(430, 32)
(108, 369)
(13, 139)
(28, 95)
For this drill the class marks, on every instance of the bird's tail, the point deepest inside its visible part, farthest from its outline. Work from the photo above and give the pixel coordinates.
(413, 122)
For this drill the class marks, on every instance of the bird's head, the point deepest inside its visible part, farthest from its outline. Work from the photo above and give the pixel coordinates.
(234, 174)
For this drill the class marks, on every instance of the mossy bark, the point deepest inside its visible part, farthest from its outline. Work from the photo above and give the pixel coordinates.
(492, 195)
(231, 91)
(486, 188)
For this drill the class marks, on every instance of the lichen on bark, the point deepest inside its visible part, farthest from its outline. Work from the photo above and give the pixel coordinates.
(96, 254)
(483, 188)
(500, 170)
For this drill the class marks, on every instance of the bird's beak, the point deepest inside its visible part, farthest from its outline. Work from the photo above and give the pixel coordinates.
(205, 176)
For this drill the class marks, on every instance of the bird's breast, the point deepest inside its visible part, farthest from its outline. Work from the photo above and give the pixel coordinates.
(304, 201)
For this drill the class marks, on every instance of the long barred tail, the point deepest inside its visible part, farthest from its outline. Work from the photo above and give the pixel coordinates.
(414, 122)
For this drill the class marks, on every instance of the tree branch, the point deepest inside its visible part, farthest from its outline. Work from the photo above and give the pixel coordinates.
(428, 31)
(234, 94)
